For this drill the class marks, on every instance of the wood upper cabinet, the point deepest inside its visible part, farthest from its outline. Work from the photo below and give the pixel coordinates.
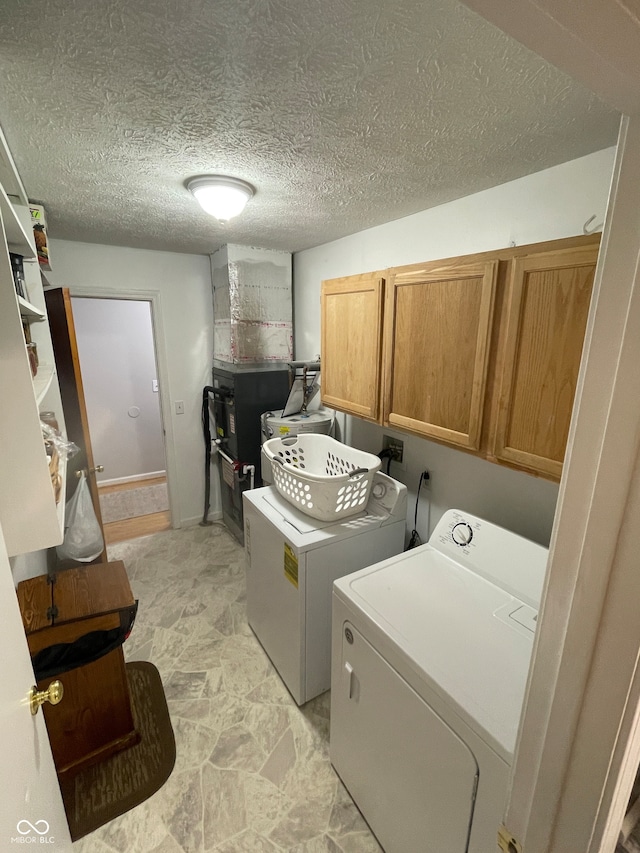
(352, 314)
(437, 336)
(546, 308)
(480, 352)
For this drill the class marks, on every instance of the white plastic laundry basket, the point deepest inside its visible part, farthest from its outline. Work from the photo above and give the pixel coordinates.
(321, 476)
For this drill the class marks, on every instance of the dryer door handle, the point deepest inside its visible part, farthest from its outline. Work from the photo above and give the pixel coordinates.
(349, 672)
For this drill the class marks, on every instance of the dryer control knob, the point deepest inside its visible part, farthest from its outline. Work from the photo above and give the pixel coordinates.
(379, 490)
(462, 534)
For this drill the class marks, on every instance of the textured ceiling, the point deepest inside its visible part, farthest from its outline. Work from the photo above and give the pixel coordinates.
(343, 114)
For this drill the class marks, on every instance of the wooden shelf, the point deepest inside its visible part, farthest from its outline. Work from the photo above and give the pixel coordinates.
(29, 312)
(42, 381)
(17, 238)
(61, 505)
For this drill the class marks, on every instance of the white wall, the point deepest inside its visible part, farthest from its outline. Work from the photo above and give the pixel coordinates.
(183, 339)
(117, 359)
(547, 205)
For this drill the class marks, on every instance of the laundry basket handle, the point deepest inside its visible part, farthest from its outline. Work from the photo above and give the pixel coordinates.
(357, 471)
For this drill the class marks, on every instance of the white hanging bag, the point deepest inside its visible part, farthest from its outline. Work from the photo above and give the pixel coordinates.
(82, 534)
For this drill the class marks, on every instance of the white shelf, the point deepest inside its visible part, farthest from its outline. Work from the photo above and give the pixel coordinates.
(30, 518)
(42, 381)
(30, 312)
(17, 238)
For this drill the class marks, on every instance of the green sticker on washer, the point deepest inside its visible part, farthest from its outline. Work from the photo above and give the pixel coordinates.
(290, 565)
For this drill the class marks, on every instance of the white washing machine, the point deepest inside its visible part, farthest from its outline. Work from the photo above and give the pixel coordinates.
(431, 651)
(292, 561)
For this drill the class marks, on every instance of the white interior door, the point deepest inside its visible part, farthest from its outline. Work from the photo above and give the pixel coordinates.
(31, 809)
(115, 340)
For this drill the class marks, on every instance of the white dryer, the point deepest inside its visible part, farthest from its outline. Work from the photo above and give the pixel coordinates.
(292, 561)
(430, 656)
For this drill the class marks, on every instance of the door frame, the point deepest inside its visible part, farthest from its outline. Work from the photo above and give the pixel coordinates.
(153, 297)
(578, 736)
(579, 743)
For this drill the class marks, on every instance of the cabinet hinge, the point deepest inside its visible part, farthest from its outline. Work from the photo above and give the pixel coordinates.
(506, 841)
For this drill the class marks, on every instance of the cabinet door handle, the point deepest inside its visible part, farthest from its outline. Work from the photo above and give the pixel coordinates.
(349, 670)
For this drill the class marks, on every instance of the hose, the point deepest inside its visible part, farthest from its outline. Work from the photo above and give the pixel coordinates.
(206, 430)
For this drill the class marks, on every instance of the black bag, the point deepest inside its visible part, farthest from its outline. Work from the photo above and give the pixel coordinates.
(62, 657)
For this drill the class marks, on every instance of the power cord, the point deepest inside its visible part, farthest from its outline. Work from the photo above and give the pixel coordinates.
(387, 454)
(415, 539)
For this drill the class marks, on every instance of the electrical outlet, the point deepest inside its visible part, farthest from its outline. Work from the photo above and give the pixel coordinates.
(426, 480)
(395, 445)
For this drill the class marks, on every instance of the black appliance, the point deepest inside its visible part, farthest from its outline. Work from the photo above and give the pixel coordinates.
(239, 395)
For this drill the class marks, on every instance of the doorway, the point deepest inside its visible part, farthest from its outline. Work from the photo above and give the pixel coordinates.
(117, 353)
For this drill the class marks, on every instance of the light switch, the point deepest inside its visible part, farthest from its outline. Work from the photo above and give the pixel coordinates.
(154, 385)
(179, 407)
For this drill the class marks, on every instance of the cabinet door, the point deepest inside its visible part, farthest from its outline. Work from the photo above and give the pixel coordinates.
(548, 303)
(65, 348)
(352, 344)
(438, 327)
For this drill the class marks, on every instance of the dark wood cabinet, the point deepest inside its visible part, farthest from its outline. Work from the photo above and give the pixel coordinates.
(94, 719)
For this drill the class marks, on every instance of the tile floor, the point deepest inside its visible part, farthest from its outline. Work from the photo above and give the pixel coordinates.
(252, 772)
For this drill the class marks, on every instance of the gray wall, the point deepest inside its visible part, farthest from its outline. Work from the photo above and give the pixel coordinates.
(181, 286)
(117, 360)
(547, 205)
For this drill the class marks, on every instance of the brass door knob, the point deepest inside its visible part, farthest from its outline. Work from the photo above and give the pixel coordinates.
(53, 694)
(97, 470)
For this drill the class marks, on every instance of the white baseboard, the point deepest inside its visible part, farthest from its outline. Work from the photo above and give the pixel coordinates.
(117, 481)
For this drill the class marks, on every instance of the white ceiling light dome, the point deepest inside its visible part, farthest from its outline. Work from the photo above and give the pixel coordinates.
(221, 196)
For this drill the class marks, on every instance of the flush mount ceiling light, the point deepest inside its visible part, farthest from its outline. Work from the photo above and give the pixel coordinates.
(221, 196)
